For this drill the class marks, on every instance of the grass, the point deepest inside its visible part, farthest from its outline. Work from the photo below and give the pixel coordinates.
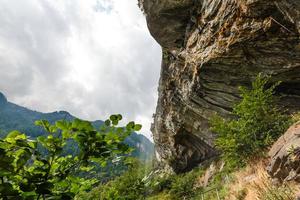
(249, 183)
(161, 196)
(253, 183)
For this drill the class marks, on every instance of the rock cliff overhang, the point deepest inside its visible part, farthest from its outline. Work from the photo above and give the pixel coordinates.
(210, 47)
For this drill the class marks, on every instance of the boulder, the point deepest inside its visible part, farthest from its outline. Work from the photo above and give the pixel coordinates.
(285, 156)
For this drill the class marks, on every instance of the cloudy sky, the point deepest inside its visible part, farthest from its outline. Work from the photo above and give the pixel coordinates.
(89, 57)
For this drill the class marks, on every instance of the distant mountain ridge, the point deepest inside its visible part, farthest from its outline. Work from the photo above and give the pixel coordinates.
(15, 117)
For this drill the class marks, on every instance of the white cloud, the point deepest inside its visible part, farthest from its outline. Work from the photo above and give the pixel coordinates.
(89, 57)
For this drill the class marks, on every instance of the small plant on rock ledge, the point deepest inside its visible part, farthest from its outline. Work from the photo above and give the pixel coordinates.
(258, 123)
(294, 153)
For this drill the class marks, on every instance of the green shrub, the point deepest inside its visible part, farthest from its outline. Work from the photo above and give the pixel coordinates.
(128, 186)
(41, 169)
(137, 184)
(182, 186)
(258, 122)
(157, 182)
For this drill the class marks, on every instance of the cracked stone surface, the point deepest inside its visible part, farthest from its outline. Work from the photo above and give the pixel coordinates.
(285, 156)
(210, 47)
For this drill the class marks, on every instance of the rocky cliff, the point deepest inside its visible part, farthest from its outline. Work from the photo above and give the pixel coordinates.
(210, 47)
(285, 156)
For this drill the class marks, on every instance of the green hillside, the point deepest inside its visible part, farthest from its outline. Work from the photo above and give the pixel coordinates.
(15, 117)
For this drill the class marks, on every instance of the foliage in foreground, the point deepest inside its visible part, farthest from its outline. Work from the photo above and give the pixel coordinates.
(129, 186)
(182, 186)
(39, 168)
(258, 123)
(136, 184)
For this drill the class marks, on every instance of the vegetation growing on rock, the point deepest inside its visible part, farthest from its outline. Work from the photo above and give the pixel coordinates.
(257, 123)
(214, 47)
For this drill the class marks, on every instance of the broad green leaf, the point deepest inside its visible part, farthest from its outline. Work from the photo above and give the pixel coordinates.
(14, 134)
(119, 117)
(32, 144)
(43, 123)
(113, 117)
(137, 127)
(66, 134)
(62, 124)
(107, 122)
(130, 126)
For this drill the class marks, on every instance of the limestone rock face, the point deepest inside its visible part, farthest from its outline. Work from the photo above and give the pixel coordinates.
(210, 47)
(167, 20)
(285, 156)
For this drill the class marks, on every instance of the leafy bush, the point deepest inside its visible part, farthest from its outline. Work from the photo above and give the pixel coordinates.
(182, 186)
(137, 183)
(128, 186)
(35, 169)
(257, 124)
(159, 184)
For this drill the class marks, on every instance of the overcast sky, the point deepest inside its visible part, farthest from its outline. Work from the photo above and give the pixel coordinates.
(91, 58)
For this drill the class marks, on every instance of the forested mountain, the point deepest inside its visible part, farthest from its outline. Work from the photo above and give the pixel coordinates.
(15, 117)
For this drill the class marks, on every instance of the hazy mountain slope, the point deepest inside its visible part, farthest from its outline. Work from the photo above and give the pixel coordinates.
(15, 117)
